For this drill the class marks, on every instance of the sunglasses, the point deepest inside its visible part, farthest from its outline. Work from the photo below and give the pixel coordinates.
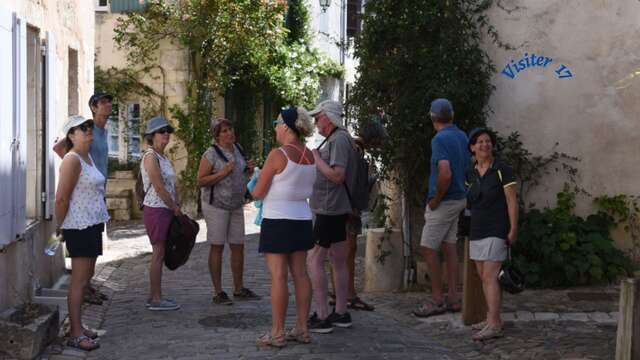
(277, 122)
(165, 130)
(84, 127)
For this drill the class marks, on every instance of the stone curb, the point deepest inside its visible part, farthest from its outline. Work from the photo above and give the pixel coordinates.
(527, 316)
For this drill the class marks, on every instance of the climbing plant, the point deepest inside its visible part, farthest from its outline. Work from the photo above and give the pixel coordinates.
(410, 53)
(240, 46)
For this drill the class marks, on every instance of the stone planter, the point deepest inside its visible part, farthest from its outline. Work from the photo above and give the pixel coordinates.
(25, 337)
(383, 262)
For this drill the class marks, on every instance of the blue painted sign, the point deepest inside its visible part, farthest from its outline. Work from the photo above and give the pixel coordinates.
(529, 61)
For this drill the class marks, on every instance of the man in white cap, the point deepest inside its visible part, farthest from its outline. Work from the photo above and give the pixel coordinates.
(330, 203)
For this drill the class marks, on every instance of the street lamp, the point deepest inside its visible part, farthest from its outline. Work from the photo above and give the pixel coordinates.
(324, 4)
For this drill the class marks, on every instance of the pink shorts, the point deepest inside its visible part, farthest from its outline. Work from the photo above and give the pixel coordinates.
(157, 222)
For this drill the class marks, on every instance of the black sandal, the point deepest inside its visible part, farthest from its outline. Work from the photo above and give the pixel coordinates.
(357, 304)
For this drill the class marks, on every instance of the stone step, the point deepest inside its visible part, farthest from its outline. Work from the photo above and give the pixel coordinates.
(118, 203)
(120, 187)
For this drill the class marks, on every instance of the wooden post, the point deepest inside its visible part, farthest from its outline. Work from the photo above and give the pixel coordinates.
(474, 306)
(628, 339)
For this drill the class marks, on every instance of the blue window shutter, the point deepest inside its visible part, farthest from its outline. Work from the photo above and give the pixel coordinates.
(51, 127)
(127, 5)
(6, 119)
(20, 124)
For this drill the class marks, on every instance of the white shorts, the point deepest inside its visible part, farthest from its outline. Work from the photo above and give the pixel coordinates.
(223, 226)
(488, 249)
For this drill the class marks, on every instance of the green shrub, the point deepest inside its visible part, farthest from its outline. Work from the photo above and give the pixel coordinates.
(558, 248)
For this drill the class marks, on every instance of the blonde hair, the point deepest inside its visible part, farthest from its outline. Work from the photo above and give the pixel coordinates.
(304, 125)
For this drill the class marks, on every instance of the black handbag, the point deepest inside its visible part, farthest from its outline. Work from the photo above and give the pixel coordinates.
(510, 278)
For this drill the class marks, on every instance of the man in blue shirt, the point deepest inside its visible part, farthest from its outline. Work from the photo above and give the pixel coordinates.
(446, 199)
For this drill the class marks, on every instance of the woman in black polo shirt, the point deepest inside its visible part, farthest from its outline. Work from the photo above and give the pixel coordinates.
(492, 200)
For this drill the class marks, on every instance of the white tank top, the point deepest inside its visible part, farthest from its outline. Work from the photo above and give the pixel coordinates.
(87, 206)
(287, 197)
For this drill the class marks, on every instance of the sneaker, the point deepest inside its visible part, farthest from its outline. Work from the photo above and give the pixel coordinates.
(319, 326)
(222, 299)
(343, 321)
(246, 294)
(164, 305)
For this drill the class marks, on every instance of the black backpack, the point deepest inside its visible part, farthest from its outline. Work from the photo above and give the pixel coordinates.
(180, 241)
(224, 158)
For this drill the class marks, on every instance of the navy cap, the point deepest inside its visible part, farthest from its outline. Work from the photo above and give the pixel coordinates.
(289, 116)
(441, 108)
(93, 101)
(156, 123)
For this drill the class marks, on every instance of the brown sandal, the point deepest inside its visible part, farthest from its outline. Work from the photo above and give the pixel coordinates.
(302, 337)
(267, 339)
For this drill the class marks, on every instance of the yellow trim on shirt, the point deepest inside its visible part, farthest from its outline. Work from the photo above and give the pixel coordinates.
(509, 184)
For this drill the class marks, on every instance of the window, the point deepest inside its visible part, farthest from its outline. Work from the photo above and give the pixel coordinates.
(354, 19)
(34, 143)
(123, 6)
(73, 83)
(133, 123)
(113, 129)
(102, 5)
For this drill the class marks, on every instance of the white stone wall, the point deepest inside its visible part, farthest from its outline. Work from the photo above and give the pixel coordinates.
(594, 113)
(23, 265)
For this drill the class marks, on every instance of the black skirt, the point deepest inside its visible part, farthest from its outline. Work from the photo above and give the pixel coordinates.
(84, 243)
(283, 236)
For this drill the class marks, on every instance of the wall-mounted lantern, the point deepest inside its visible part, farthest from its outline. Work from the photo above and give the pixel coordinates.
(324, 5)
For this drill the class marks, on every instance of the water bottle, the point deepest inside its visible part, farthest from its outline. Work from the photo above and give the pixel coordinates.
(53, 244)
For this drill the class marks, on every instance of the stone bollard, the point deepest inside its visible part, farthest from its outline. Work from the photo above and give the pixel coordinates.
(628, 337)
(383, 261)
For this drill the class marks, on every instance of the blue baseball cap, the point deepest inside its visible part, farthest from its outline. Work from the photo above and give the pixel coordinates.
(441, 108)
(156, 123)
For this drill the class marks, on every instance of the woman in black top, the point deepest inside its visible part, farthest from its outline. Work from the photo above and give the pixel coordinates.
(492, 200)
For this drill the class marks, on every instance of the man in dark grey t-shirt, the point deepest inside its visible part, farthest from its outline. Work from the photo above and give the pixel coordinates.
(331, 206)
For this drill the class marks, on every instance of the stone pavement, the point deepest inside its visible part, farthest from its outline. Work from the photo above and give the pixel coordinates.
(543, 324)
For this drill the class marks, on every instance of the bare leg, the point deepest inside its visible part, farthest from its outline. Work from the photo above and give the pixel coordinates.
(491, 289)
(237, 265)
(155, 272)
(435, 272)
(302, 283)
(352, 242)
(451, 254)
(338, 256)
(215, 266)
(80, 276)
(315, 261)
(277, 264)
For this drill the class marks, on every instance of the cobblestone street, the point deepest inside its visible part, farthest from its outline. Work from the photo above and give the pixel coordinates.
(539, 324)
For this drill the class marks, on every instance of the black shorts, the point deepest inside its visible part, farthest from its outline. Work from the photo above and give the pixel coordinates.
(329, 229)
(84, 243)
(284, 236)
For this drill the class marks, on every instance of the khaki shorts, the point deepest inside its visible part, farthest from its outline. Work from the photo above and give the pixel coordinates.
(441, 224)
(488, 249)
(223, 226)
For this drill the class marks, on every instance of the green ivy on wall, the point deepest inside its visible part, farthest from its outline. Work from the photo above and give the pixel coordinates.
(240, 47)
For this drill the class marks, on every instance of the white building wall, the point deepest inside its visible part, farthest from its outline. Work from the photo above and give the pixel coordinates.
(23, 265)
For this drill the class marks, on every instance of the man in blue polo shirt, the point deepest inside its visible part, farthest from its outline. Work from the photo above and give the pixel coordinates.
(446, 199)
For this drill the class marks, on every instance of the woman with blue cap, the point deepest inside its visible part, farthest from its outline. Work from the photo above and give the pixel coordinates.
(285, 185)
(493, 202)
(160, 203)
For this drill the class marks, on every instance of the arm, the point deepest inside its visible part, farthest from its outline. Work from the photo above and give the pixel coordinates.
(335, 174)
(153, 170)
(512, 207)
(442, 183)
(207, 175)
(60, 148)
(274, 164)
(69, 174)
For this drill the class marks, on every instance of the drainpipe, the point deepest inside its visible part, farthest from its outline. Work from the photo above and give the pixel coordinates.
(406, 242)
(343, 37)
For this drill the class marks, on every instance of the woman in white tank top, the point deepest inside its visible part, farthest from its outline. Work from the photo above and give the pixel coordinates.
(285, 184)
(80, 212)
